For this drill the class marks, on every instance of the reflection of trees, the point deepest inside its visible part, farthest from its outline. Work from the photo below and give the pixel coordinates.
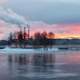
(36, 59)
(43, 62)
(39, 62)
(43, 59)
(20, 59)
(10, 58)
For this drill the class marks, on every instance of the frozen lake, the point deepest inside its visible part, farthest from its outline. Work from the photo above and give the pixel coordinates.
(59, 65)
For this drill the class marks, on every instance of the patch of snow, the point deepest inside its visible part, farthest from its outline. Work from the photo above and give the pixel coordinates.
(22, 50)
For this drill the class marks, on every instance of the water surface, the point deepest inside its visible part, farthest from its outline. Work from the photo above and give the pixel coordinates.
(59, 65)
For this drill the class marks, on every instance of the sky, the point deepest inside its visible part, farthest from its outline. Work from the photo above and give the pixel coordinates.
(59, 16)
(49, 11)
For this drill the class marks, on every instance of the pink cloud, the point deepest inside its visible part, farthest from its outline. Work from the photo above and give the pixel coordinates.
(61, 30)
(5, 29)
(57, 28)
(3, 1)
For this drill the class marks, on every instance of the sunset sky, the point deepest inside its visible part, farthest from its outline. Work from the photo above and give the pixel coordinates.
(61, 17)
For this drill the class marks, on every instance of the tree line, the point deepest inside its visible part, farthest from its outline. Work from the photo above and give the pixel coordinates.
(38, 39)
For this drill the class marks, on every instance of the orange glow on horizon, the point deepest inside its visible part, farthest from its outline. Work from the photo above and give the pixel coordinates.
(62, 36)
(69, 36)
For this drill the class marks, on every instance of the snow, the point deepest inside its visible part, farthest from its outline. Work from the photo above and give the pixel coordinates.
(27, 51)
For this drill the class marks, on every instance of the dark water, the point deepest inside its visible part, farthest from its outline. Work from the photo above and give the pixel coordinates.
(55, 66)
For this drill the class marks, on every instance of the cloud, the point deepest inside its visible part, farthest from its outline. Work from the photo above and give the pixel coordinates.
(68, 1)
(9, 20)
(57, 28)
(60, 30)
(3, 2)
(5, 29)
(50, 11)
(62, 1)
(10, 16)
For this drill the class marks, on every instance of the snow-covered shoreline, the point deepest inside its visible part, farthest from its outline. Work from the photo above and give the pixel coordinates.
(27, 51)
(53, 50)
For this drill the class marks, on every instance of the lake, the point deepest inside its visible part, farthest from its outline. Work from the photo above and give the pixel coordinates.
(59, 65)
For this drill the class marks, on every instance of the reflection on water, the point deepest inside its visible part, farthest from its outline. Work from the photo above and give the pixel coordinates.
(40, 66)
(33, 63)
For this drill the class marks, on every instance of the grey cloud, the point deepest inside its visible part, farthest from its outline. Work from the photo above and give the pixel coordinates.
(50, 11)
(10, 16)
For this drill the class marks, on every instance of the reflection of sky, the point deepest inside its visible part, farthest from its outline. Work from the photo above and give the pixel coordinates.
(61, 65)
